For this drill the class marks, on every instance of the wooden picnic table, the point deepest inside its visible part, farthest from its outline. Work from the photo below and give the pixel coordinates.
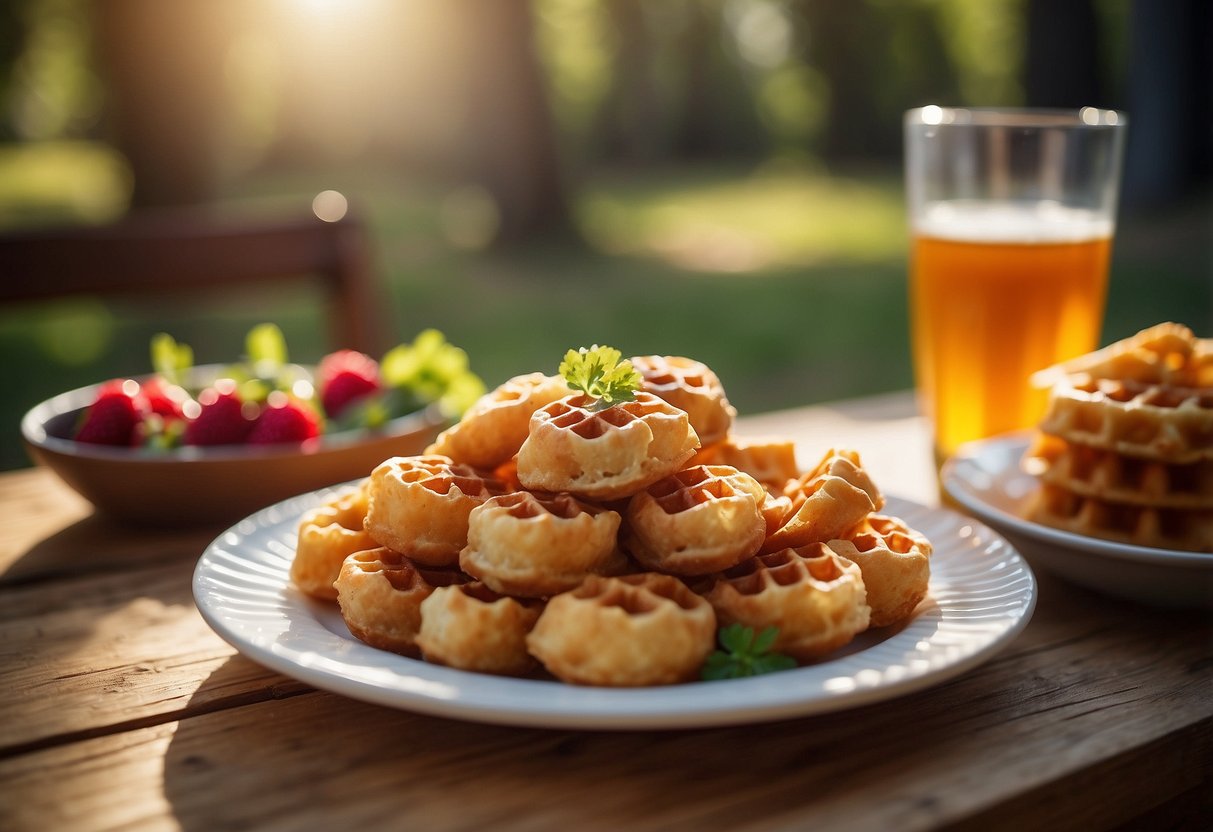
(122, 709)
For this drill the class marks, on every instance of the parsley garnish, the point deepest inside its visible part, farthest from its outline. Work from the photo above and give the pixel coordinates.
(600, 374)
(745, 654)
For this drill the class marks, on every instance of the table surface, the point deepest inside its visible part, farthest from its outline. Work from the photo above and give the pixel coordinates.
(122, 709)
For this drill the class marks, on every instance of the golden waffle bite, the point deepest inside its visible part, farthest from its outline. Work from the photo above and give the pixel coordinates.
(380, 593)
(690, 386)
(470, 627)
(699, 520)
(775, 510)
(845, 464)
(826, 502)
(327, 535)
(494, 428)
(1167, 355)
(604, 453)
(507, 474)
(815, 598)
(1162, 528)
(1150, 421)
(537, 544)
(629, 631)
(895, 562)
(1093, 472)
(419, 506)
(770, 461)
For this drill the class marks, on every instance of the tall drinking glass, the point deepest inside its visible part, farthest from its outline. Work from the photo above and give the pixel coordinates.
(1011, 219)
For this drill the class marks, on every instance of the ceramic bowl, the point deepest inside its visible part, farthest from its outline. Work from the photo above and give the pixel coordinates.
(201, 485)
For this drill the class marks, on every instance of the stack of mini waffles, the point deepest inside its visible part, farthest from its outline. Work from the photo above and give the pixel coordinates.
(1125, 450)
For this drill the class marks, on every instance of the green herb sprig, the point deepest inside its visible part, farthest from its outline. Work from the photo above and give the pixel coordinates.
(430, 369)
(599, 373)
(745, 654)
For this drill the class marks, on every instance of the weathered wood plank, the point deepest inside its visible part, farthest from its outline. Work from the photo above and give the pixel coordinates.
(50, 532)
(95, 654)
(36, 506)
(934, 758)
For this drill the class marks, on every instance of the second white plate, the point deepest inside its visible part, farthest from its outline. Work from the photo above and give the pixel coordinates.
(981, 595)
(986, 478)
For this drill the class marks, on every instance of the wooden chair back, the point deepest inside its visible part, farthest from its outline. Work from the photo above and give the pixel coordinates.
(181, 254)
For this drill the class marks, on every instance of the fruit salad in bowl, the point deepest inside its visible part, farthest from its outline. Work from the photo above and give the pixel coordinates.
(191, 444)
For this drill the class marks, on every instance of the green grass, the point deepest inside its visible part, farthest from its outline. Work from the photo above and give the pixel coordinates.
(742, 223)
(789, 283)
(61, 181)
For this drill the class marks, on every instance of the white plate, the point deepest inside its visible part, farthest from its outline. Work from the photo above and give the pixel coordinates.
(981, 595)
(985, 477)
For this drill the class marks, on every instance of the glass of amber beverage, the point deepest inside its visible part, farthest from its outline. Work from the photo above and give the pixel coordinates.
(1011, 218)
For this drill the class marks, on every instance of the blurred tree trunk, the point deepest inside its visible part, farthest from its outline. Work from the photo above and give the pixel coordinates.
(512, 139)
(630, 122)
(717, 116)
(162, 64)
(844, 40)
(1062, 64)
(13, 38)
(1170, 95)
(700, 42)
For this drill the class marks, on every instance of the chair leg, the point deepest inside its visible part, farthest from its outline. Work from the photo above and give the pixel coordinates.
(357, 311)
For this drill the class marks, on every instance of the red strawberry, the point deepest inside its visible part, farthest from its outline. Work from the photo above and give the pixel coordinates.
(220, 419)
(113, 415)
(345, 377)
(164, 398)
(284, 420)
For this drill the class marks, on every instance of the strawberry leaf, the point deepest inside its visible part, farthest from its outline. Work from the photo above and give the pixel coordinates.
(266, 348)
(432, 370)
(170, 359)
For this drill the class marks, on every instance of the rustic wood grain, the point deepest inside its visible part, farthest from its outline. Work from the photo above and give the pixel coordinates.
(966, 751)
(36, 506)
(50, 532)
(102, 653)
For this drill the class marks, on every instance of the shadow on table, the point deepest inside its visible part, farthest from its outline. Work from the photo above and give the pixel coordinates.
(87, 610)
(99, 543)
(322, 760)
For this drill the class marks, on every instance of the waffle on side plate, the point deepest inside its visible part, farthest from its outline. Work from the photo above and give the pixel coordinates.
(1125, 449)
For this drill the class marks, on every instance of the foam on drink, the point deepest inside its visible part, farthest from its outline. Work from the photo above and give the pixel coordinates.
(978, 221)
